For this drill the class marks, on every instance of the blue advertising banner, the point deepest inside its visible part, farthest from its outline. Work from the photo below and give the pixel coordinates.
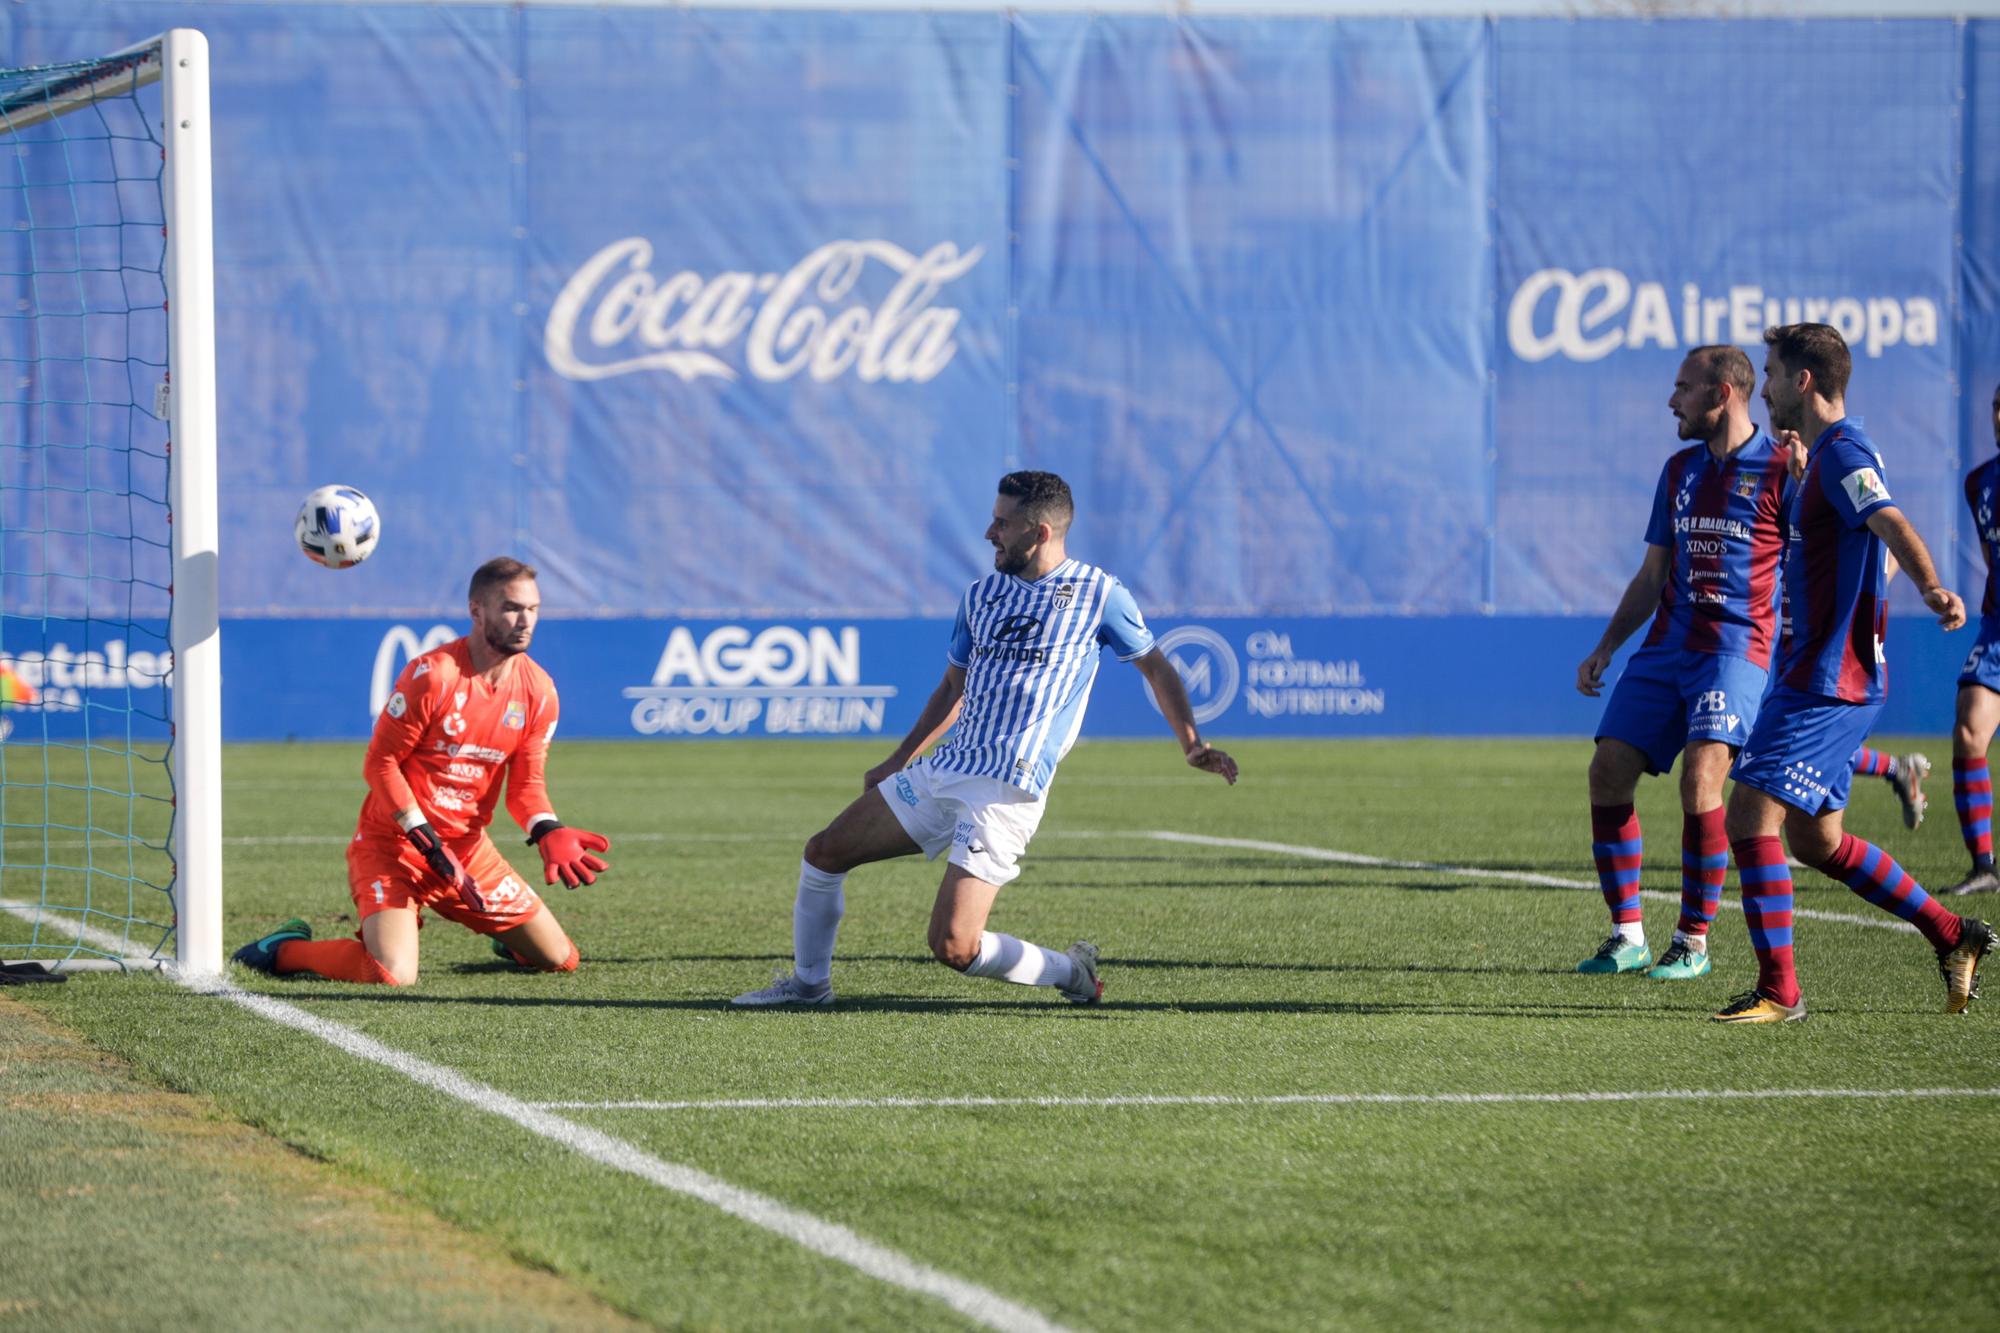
(1642, 229)
(1344, 332)
(671, 680)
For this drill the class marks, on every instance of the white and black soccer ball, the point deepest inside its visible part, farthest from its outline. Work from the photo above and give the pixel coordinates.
(338, 527)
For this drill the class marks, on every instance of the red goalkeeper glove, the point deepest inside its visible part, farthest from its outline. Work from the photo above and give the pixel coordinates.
(444, 865)
(568, 852)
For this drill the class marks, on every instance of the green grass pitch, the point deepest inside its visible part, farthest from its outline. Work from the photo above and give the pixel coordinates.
(1228, 972)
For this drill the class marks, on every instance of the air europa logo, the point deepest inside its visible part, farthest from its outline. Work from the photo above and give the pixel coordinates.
(613, 317)
(1587, 316)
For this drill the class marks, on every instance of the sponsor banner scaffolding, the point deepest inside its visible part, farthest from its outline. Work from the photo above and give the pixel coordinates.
(735, 317)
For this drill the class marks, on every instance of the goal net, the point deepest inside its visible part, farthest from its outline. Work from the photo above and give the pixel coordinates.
(110, 827)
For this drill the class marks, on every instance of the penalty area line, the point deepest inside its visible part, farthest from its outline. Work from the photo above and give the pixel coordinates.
(1278, 1099)
(828, 1239)
(1884, 922)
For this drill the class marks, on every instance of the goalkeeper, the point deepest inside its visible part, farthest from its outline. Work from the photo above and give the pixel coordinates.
(461, 716)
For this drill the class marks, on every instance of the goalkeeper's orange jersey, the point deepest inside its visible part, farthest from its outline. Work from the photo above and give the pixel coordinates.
(447, 736)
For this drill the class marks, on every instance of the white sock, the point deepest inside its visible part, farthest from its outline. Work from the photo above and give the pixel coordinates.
(1693, 943)
(1632, 932)
(816, 916)
(1020, 962)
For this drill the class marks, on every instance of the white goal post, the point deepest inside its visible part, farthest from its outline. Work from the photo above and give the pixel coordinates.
(131, 265)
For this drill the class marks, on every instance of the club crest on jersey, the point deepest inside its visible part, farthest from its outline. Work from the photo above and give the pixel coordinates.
(1864, 487)
(1746, 485)
(1065, 594)
(515, 717)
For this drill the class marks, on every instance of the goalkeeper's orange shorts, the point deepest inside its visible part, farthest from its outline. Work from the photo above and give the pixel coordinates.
(385, 871)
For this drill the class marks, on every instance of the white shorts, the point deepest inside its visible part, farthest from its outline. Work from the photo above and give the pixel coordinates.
(985, 822)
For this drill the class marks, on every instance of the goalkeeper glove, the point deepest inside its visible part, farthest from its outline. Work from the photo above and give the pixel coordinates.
(568, 852)
(444, 865)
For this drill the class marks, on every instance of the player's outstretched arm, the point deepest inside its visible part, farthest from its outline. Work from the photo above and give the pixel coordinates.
(1910, 552)
(1171, 695)
(940, 711)
(1642, 594)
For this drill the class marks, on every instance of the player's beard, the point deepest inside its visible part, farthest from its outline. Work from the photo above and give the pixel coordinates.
(1701, 426)
(1009, 561)
(501, 640)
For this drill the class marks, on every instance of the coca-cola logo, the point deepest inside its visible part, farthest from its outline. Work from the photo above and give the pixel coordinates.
(613, 317)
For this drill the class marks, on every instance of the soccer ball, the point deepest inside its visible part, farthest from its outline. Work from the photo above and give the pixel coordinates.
(338, 527)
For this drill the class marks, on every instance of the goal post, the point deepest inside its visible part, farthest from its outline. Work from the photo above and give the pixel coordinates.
(196, 597)
(110, 651)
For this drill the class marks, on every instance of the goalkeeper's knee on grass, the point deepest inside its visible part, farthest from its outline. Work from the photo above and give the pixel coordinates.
(568, 964)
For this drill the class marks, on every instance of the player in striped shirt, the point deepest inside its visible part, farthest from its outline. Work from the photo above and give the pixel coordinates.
(1979, 686)
(1693, 688)
(1023, 653)
(1795, 771)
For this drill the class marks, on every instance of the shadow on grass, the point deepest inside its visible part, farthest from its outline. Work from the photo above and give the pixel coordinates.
(1115, 963)
(1028, 1006)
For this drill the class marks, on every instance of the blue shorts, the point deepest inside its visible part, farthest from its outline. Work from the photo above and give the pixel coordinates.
(1982, 664)
(1802, 751)
(1668, 699)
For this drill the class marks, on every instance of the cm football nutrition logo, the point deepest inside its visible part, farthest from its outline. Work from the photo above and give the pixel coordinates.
(1207, 666)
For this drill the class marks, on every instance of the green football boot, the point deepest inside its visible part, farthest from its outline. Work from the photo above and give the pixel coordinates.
(1617, 955)
(1679, 963)
(262, 954)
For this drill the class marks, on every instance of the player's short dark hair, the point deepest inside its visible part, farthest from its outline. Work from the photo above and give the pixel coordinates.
(1727, 363)
(495, 573)
(1043, 496)
(1815, 347)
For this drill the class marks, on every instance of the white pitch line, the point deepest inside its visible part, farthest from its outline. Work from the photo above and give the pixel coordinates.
(830, 1239)
(1276, 1099)
(1884, 922)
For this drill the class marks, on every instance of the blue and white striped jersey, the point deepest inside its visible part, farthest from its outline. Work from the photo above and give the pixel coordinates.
(1030, 654)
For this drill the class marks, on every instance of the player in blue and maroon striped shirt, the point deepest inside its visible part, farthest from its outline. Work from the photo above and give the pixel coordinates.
(1979, 686)
(1710, 570)
(1793, 774)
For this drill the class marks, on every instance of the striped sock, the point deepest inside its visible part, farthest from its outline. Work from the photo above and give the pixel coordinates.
(1874, 874)
(1873, 764)
(1704, 866)
(1972, 792)
(1767, 910)
(1615, 846)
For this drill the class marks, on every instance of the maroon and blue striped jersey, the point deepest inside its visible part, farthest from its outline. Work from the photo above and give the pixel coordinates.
(1836, 612)
(1982, 490)
(1722, 521)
